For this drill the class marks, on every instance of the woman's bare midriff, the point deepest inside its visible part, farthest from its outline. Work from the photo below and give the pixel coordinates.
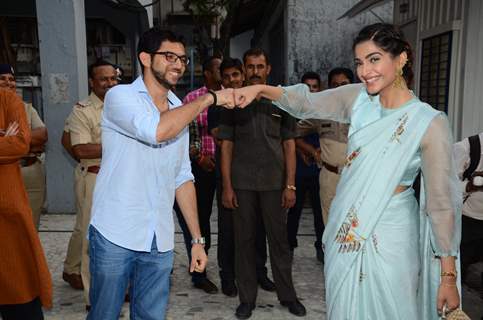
(400, 189)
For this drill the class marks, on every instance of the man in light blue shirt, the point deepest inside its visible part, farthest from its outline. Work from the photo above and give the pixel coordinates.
(145, 166)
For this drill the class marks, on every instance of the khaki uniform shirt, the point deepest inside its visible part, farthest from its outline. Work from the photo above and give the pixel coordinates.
(333, 139)
(33, 120)
(84, 125)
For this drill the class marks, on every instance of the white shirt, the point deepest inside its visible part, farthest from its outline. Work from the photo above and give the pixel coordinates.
(473, 206)
(135, 188)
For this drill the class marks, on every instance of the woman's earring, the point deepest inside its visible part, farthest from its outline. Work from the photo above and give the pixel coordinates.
(399, 82)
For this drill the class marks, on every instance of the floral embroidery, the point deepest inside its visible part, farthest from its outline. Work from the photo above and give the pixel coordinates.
(347, 235)
(374, 241)
(400, 129)
(362, 275)
(352, 156)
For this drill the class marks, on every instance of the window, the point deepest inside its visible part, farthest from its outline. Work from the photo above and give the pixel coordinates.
(435, 68)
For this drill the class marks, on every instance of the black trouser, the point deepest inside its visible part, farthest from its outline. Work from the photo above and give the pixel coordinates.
(250, 205)
(226, 242)
(205, 184)
(31, 310)
(311, 185)
(471, 243)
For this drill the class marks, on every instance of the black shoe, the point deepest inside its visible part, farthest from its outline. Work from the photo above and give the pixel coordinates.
(228, 287)
(266, 284)
(74, 280)
(88, 308)
(319, 254)
(244, 310)
(295, 307)
(206, 285)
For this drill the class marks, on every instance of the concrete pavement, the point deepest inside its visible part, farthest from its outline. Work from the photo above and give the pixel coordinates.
(189, 303)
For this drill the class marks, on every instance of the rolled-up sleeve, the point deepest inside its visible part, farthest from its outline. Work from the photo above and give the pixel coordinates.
(128, 113)
(184, 174)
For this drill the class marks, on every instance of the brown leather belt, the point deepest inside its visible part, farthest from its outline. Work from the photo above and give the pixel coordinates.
(93, 169)
(331, 168)
(28, 161)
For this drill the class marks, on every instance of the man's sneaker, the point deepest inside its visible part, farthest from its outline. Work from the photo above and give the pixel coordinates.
(295, 307)
(244, 310)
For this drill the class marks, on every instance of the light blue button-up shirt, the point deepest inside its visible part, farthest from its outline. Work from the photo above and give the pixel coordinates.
(135, 188)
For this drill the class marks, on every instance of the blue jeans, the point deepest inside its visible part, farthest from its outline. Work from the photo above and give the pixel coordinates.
(113, 267)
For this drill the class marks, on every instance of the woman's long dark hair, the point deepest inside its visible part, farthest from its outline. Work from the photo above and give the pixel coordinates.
(391, 39)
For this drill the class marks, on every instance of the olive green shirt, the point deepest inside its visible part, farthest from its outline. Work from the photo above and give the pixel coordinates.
(257, 132)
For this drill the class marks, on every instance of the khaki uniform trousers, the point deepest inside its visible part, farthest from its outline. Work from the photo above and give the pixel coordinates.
(72, 262)
(328, 184)
(77, 259)
(34, 181)
(90, 183)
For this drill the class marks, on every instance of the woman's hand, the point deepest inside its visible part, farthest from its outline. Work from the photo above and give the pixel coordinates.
(448, 292)
(244, 96)
(225, 98)
(448, 295)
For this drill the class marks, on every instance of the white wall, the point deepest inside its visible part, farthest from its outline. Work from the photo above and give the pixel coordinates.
(240, 44)
(317, 41)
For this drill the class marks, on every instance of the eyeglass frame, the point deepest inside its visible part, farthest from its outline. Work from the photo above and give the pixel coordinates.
(165, 53)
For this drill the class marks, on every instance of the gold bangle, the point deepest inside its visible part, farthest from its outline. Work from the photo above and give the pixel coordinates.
(448, 284)
(449, 274)
(291, 187)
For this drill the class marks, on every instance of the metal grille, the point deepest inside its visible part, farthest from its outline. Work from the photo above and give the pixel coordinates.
(435, 69)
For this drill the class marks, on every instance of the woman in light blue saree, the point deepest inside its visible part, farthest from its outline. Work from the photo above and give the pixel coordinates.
(386, 256)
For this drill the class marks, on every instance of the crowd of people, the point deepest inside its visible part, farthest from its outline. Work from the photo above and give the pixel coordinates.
(354, 150)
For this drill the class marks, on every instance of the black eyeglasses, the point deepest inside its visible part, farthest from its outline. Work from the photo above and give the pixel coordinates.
(172, 57)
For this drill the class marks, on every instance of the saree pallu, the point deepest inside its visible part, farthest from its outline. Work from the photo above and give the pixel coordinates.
(377, 264)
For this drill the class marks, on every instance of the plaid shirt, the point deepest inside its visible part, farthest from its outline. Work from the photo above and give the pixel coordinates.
(200, 137)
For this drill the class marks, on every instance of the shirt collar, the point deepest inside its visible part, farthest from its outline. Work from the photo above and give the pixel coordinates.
(97, 103)
(140, 86)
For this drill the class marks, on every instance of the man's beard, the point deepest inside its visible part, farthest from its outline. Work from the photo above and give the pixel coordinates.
(160, 77)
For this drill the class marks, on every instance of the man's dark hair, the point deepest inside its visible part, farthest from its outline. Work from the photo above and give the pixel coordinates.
(345, 71)
(311, 75)
(231, 63)
(151, 40)
(208, 63)
(98, 63)
(255, 52)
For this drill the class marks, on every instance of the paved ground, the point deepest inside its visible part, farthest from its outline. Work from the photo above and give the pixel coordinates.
(189, 303)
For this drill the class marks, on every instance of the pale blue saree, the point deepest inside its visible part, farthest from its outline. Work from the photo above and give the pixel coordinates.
(381, 249)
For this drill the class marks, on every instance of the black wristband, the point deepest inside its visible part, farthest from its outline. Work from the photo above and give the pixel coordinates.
(215, 100)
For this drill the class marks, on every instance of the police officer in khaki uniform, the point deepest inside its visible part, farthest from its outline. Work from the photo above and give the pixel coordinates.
(32, 166)
(333, 144)
(84, 128)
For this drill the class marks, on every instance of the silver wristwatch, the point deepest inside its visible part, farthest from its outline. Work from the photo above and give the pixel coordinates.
(198, 241)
